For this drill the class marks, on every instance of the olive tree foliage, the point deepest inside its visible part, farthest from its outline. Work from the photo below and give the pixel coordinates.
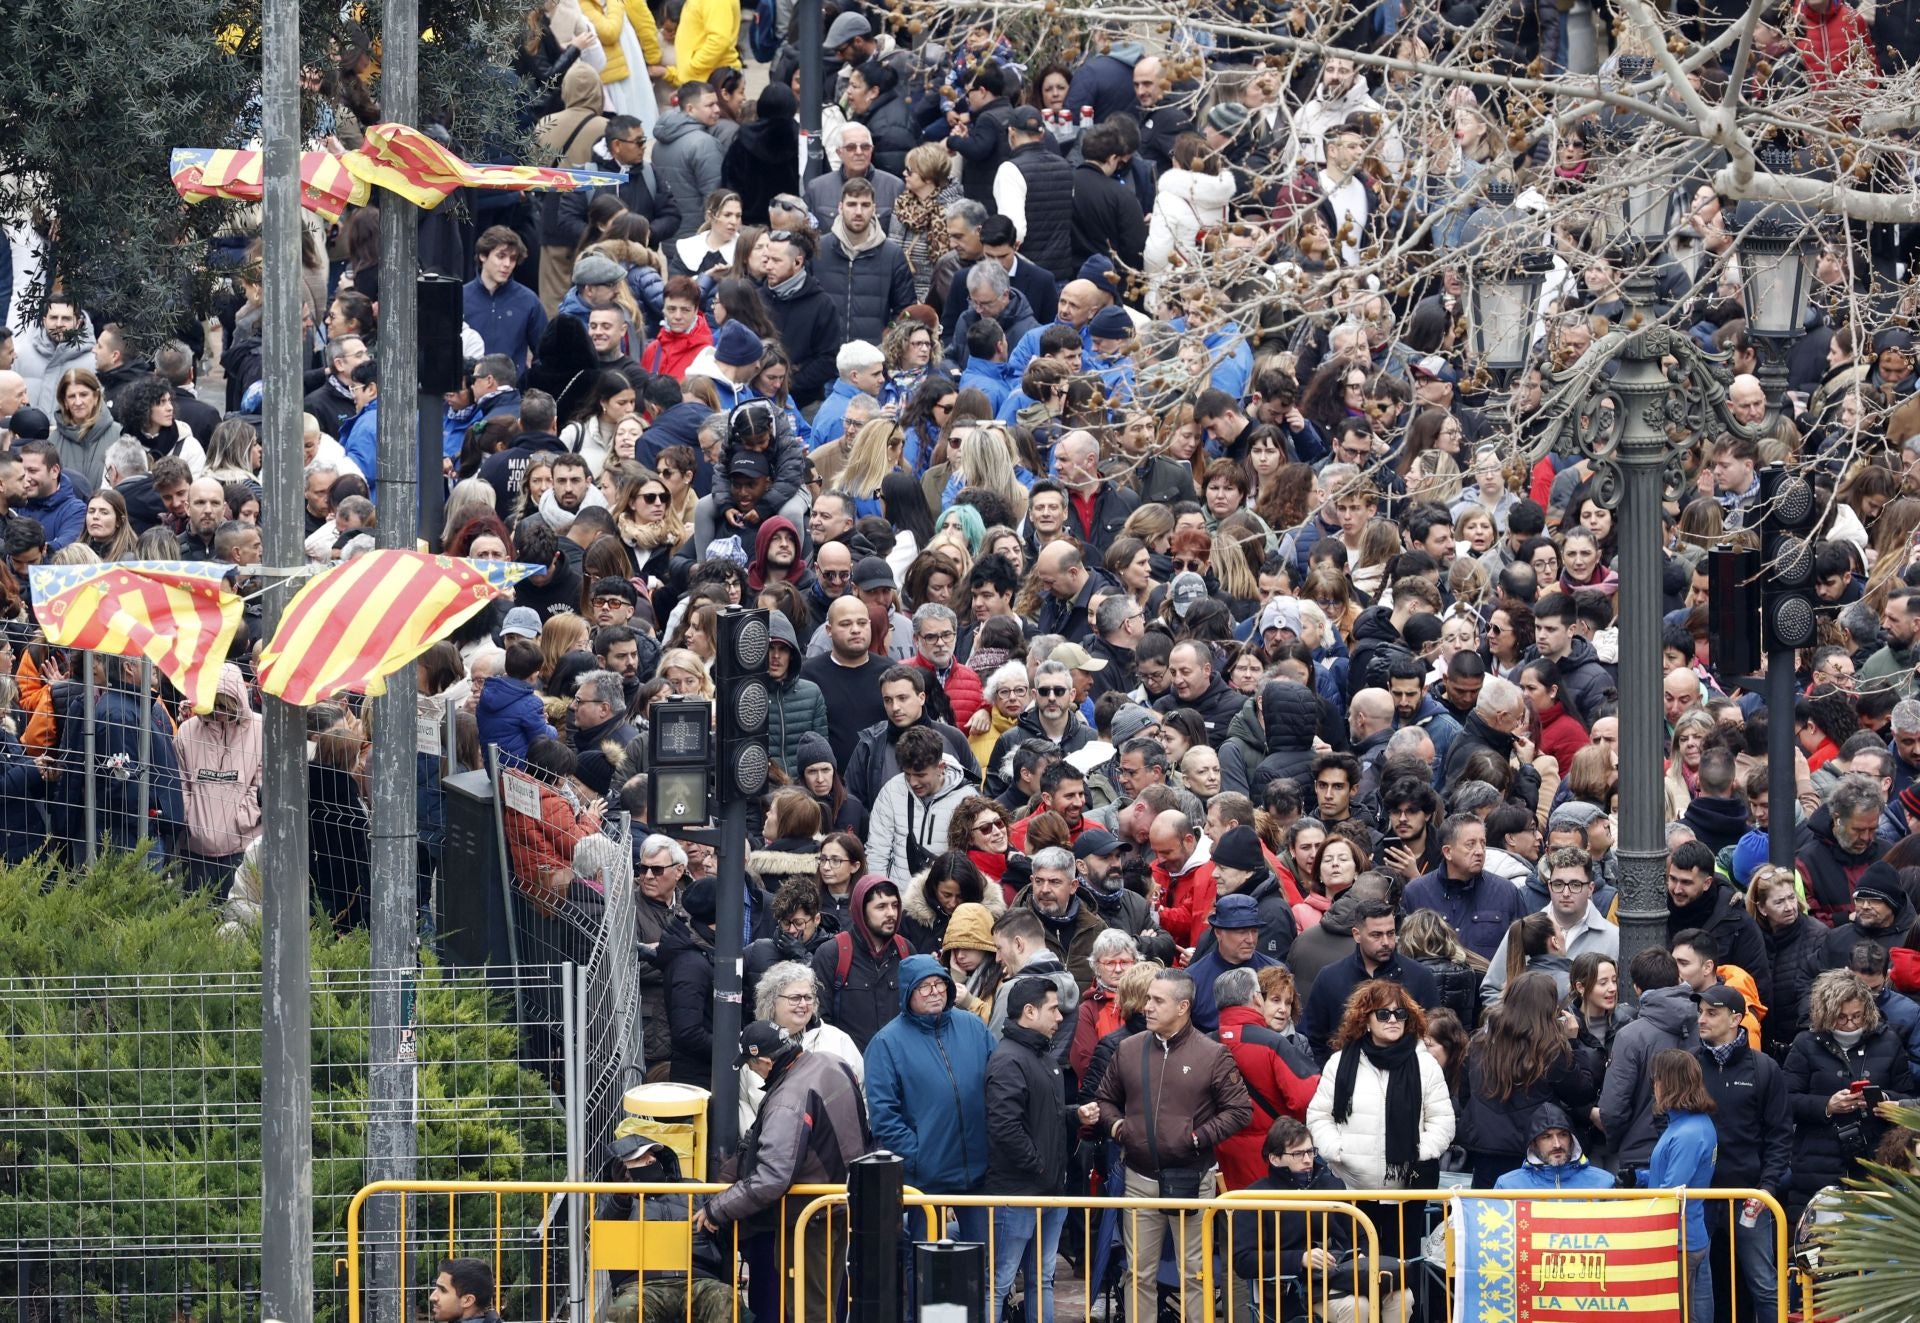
(95, 95)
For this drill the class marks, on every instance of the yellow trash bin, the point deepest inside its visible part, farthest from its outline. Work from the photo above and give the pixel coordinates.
(670, 1114)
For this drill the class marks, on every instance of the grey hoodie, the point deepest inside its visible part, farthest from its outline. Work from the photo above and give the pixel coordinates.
(686, 160)
(1667, 1019)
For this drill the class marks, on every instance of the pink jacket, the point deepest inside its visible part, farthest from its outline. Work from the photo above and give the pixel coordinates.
(220, 772)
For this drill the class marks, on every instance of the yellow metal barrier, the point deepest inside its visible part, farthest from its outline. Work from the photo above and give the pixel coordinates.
(1202, 1289)
(1377, 1218)
(612, 1245)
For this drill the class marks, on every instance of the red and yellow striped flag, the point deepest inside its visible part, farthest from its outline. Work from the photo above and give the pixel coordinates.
(356, 624)
(326, 187)
(410, 163)
(177, 614)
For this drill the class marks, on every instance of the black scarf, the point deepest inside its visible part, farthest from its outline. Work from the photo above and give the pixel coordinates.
(1401, 1065)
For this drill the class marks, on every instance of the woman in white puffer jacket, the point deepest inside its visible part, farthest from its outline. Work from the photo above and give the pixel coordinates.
(1382, 1115)
(1191, 195)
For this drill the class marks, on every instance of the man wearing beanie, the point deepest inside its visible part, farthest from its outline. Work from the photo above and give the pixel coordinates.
(1240, 869)
(735, 361)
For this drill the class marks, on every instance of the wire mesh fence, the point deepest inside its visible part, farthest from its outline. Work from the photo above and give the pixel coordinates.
(130, 1132)
(129, 1106)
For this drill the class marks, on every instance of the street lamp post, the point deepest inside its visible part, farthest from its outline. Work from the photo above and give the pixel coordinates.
(1503, 299)
(1778, 262)
(1662, 386)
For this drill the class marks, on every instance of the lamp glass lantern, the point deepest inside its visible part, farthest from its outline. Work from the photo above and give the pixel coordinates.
(1504, 302)
(1779, 268)
(1645, 206)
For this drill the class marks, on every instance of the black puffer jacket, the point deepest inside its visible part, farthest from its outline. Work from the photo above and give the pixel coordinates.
(868, 285)
(809, 327)
(1817, 1068)
(1289, 715)
(686, 954)
(1459, 988)
(1217, 707)
(892, 129)
(1376, 646)
(1049, 208)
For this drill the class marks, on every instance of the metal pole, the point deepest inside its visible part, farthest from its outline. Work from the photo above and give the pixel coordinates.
(807, 36)
(730, 865)
(394, 913)
(1782, 795)
(145, 742)
(286, 1012)
(577, 1012)
(89, 742)
(1642, 832)
(433, 486)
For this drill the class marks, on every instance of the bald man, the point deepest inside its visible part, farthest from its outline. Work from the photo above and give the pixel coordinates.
(1096, 509)
(1679, 692)
(206, 511)
(1747, 401)
(1079, 300)
(13, 397)
(1160, 121)
(849, 677)
(1070, 584)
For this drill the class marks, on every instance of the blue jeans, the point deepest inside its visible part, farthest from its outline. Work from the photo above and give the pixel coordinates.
(1013, 1230)
(1700, 1285)
(1753, 1254)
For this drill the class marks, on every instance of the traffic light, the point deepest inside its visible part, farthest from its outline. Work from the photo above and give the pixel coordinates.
(679, 756)
(745, 696)
(1787, 600)
(1733, 610)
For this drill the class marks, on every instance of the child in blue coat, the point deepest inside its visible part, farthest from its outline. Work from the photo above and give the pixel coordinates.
(509, 712)
(1684, 1158)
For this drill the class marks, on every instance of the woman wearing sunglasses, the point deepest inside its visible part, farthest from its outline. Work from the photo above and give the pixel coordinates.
(1381, 1115)
(644, 511)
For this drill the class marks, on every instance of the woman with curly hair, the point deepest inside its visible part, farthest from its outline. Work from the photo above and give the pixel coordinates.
(1522, 1059)
(1381, 1115)
(146, 414)
(909, 346)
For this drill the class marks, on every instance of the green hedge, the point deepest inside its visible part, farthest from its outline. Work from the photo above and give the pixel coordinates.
(129, 1132)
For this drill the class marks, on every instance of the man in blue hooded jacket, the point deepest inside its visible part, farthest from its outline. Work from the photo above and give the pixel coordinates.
(1554, 1160)
(924, 1095)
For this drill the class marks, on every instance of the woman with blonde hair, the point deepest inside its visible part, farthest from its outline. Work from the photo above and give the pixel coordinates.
(83, 425)
(559, 636)
(686, 675)
(1794, 940)
(874, 453)
(919, 222)
(986, 460)
(1430, 941)
(1153, 525)
(1690, 734)
(714, 243)
(1379, 544)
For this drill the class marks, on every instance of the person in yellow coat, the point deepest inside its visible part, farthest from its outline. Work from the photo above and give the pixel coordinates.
(632, 44)
(708, 39)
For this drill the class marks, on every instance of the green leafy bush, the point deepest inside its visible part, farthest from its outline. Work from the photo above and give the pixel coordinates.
(130, 1096)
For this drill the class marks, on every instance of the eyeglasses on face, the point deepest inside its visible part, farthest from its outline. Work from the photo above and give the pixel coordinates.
(656, 870)
(797, 998)
(654, 498)
(835, 859)
(1308, 1152)
(1196, 566)
(1388, 1014)
(1051, 691)
(988, 827)
(1564, 887)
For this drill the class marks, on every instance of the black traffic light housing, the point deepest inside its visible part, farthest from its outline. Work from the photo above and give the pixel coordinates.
(679, 759)
(1733, 610)
(745, 696)
(1788, 603)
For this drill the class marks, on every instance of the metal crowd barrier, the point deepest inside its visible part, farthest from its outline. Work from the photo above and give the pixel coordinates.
(1420, 1270)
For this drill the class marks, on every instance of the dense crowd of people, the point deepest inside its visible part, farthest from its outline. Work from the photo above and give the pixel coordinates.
(1195, 736)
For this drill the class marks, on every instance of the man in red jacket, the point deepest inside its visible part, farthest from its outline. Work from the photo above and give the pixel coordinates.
(936, 631)
(1832, 38)
(683, 331)
(1183, 876)
(1280, 1080)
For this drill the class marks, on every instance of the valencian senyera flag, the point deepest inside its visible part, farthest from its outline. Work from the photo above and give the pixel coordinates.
(180, 615)
(353, 625)
(326, 188)
(393, 156)
(1552, 1260)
